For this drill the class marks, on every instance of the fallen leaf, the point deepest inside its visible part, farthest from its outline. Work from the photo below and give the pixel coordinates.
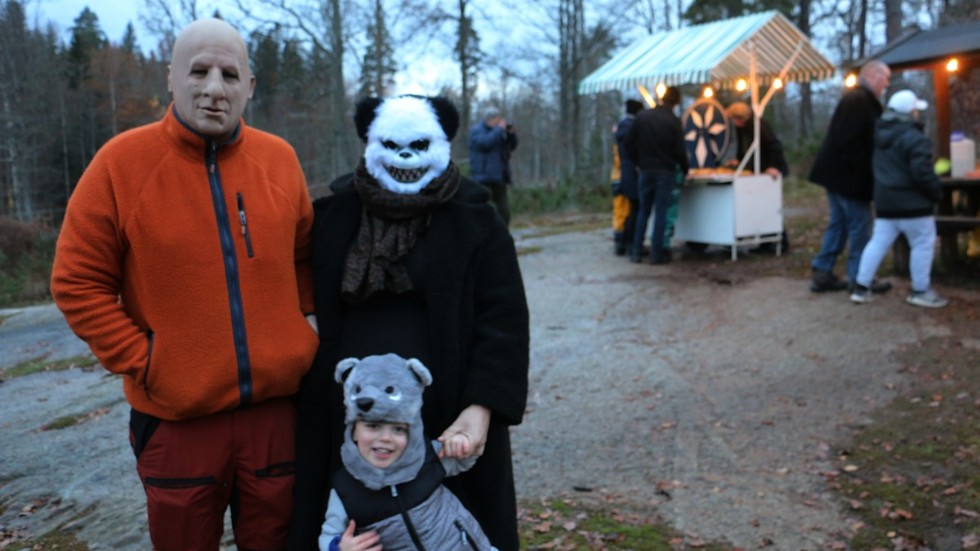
(542, 528)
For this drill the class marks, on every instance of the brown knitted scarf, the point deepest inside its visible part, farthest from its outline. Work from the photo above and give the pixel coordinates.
(390, 224)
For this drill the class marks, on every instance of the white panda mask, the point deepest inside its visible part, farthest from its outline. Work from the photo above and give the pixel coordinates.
(407, 141)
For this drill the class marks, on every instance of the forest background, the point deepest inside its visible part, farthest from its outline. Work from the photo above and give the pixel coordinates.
(62, 98)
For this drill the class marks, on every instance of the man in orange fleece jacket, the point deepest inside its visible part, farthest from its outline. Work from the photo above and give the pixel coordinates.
(184, 263)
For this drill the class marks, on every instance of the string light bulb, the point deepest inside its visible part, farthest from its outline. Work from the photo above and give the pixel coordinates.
(777, 84)
(661, 89)
(851, 80)
(953, 65)
(708, 92)
(741, 85)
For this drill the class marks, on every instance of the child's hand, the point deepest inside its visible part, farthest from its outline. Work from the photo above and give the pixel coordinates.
(368, 541)
(472, 424)
(456, 446)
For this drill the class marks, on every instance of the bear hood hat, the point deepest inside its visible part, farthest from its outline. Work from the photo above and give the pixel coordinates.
(389, 389)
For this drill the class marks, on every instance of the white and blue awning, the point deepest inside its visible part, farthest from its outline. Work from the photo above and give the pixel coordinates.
(718, 54)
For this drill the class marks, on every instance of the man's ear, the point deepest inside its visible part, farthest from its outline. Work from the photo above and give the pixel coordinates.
(344, 368)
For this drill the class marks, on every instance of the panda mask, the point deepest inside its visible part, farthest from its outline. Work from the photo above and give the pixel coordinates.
(407, 139)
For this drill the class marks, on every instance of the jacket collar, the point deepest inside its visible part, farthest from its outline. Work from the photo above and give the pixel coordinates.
(188, 137)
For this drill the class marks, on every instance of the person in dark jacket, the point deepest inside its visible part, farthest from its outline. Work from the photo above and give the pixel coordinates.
(411, 258)
(491, 143)
(843, 167)
(771, 158)
(628, 178)
(656, 145)
(906, 192)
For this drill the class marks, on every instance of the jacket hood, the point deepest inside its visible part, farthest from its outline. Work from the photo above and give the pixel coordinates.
(891, 125)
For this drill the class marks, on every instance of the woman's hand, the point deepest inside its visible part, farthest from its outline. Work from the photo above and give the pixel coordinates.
(472, 424)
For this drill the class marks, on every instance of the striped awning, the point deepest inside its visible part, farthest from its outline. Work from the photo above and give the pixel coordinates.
(716, 53)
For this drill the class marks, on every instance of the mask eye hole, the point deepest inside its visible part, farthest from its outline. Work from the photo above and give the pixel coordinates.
(389, 390)
(357, 389)
(389, 144)
(420, 145)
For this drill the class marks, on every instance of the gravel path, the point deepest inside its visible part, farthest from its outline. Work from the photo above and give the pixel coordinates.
(684, 389)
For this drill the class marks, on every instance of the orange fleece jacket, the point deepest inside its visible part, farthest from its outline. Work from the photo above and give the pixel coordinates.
(141, 275)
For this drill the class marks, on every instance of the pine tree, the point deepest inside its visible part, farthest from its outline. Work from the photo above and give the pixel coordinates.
(378, 68)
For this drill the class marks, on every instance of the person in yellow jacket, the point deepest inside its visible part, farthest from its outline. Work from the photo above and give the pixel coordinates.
(184, 263)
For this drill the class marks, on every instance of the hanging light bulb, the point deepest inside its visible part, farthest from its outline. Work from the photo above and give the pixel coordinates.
(741, 85)
(777, 84)
(708, 92)
(851, 80)
(953, 65)
(661, 89)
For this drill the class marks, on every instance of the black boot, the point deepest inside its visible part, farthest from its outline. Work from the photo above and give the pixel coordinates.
(826, 281)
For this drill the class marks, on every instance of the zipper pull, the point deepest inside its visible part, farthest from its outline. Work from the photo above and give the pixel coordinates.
(241, 213)
(244, 222)
(394, 491)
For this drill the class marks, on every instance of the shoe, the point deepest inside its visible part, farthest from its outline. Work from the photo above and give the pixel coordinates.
(635, 258)
(620, 250)
(927, 299)
(861, 294)
(826, 281)
(660, 260)
(877, 287)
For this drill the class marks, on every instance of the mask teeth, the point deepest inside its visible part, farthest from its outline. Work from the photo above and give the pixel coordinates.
(404, 175)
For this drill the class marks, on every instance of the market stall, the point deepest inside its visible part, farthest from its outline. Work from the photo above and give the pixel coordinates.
(728, 208)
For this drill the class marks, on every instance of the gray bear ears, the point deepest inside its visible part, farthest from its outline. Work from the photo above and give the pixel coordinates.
(343, 369)
(417, 368)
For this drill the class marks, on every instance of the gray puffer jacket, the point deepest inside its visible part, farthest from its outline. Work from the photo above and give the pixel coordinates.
(905, 184)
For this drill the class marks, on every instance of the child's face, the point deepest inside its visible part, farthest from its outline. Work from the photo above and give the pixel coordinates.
(380, 444)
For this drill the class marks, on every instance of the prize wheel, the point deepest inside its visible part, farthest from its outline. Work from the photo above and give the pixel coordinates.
(705, 125)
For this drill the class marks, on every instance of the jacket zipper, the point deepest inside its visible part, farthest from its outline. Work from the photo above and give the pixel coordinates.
(464, 536)
(244, 222)
(232, 281)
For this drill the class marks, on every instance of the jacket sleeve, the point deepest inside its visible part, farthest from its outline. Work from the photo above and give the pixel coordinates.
(87, 275)
(334, 524)
(772, 149)
(498, 358)
(301, 255)
(313, 441)
(852, 128)
(920, 163)
(483, 139)
(680, 150)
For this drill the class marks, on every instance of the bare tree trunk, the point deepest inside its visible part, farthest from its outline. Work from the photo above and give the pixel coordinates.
(341, 161)
(893, 19)
(862, 29)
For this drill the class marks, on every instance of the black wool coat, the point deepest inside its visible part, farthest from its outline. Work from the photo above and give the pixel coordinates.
(478, 324)
(843, 164)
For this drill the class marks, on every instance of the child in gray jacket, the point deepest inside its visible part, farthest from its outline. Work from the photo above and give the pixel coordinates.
(390, 495)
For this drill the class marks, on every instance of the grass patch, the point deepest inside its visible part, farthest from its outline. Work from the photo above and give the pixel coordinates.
(571, 524)
(39, 364)
(911, 476)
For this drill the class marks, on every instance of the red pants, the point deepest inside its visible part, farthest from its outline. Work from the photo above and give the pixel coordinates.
(193, 470)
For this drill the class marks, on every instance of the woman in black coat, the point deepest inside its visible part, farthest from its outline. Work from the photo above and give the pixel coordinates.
(464, 314)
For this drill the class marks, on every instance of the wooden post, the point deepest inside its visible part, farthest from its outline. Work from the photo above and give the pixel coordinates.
(940, 84)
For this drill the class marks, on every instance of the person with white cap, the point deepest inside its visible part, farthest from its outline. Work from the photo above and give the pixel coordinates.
(906, 190)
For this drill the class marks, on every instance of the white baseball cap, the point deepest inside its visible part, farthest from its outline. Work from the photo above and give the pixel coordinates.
(905, 101)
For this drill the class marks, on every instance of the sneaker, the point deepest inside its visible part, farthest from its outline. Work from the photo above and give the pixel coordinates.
(861, 294)
(877, 286)
(826, 281)
(927, 299)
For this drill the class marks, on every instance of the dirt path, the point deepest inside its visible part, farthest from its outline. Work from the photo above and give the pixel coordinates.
(689, 390)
